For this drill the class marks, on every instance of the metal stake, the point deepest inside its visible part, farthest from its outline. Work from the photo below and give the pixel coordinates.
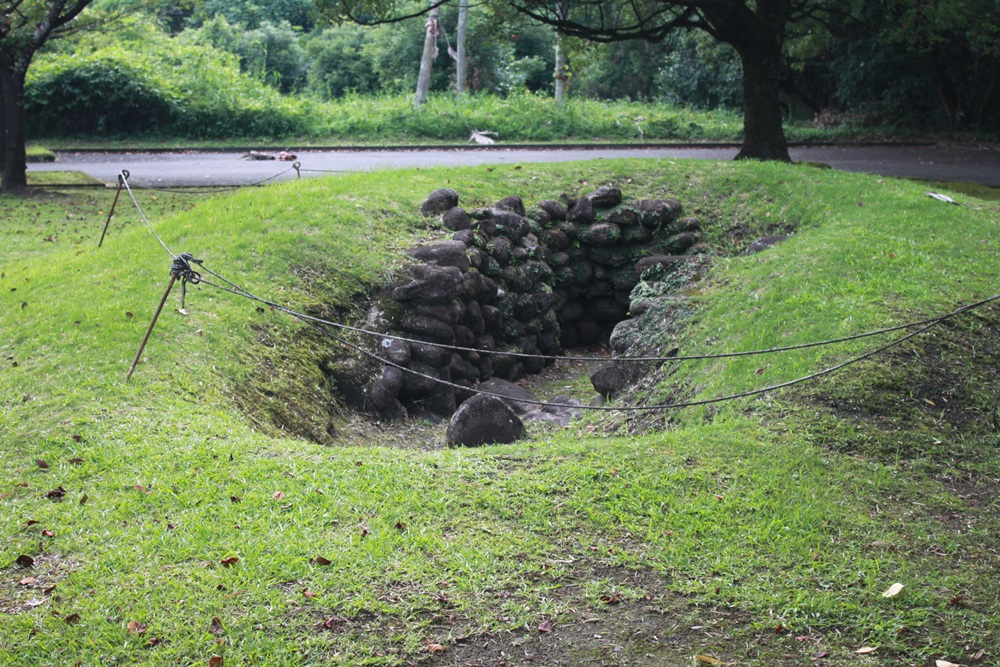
(142, 346)
(121, 182)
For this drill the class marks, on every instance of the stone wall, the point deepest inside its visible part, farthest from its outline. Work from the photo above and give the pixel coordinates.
(511, 280)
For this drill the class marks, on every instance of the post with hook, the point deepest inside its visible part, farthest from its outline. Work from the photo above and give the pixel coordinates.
(122, 177)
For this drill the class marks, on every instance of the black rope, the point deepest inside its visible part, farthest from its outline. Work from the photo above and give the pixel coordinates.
(182, 269)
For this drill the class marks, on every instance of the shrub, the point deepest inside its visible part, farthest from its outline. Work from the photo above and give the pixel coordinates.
(100, 95)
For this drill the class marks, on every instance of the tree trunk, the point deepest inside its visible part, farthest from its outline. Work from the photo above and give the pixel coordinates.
(561, 72)
(461, 72)
(14, 177)
(427, 60)
(763, 134)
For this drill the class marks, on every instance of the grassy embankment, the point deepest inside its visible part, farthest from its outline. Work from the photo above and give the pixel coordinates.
(761, 532)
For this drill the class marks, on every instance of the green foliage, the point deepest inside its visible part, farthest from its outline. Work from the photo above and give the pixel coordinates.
(141, 80)
(254, 14)
(700, 73)
(97, 95)
(340, 62)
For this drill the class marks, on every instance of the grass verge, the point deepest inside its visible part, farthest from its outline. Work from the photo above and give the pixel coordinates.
(158, 526)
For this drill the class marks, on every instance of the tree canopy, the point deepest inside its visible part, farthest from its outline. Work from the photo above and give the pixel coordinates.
(25, 26)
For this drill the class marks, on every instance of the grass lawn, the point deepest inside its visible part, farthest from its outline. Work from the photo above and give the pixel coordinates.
(181, 517)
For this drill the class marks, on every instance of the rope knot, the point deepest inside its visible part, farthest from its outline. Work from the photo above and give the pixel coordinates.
(182, 268)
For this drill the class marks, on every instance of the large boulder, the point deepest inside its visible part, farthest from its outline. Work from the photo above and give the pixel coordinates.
(443, 253)
(439, 201)
(559, 410)
(431, 284)
(605, 196)
(514, 395)
(483, 420)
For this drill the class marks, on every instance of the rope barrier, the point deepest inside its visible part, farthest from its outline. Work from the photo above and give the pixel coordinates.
(181, 268)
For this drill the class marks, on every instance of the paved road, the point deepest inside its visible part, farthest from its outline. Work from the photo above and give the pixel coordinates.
(968, 163)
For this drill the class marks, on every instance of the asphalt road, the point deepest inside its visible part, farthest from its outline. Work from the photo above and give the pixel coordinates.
(966, 163)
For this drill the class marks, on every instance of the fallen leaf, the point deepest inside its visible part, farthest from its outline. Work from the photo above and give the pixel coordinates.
(945, 663)
(48, 533)
(235, 499)
(893, 590)
(308, 593)
(232, 560)
(708, 659)
(319, 560)
(400, 526)
(216, 627)
(215, 661)
(278, 495)
(75, 461)
(865, 650)
(821, 654)
(135, 627)
(77, 437)
(30, 522)
(27, 581)
(58, 492)
(41, 464)
(34, 602)
(436, 648)
(25, 560)
(83, 499)
(72, 619)
(546, 626)
(615, 598)
(979, 655)
(153, 641)
(182, 311)
(364, 532)
(129, 314)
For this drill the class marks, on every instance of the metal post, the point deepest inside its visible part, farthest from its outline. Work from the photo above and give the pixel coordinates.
(121, 183)
(142, 346)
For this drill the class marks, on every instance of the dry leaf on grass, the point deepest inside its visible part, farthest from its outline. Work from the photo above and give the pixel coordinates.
(893, 590)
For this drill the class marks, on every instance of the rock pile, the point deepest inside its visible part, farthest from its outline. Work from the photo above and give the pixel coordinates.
(515, 281)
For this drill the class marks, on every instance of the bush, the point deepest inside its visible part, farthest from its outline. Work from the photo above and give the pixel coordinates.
(98, 96)
(148, 83)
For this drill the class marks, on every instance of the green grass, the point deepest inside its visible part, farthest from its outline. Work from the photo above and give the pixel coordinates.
(786, 517)
(520, 118)
(40, 154)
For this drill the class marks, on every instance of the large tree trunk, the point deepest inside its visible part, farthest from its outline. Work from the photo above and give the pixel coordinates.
(763, 134)
(461, 71)
(14, 177)
(427, 60)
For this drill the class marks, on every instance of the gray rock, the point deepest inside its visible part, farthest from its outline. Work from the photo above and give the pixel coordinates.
(483, 420)
(765, 243)
(456, 219)
(615, 377)
(466, 236)
(605, 196)
(443, 253)
(666, 262)
(439, 201)
(656, 212)
(396, 351)
(560, 410)
(511, 225)
(582, 211)
(680, 243)
(430, 284)
(601, 234)
(383, 391)
(513, 203)
(555, 209)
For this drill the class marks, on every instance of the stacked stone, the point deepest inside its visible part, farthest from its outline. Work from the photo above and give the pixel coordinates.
(512, 281)
(594, 245)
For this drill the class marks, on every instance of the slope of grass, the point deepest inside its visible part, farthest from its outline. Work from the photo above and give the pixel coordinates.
(163, 528)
